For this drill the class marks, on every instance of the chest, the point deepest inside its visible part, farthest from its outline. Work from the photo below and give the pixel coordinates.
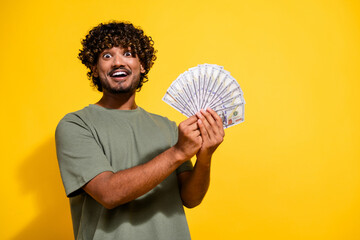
(130, 142)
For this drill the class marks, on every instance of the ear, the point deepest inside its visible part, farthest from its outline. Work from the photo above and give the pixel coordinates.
(95, 72)
(142, 70)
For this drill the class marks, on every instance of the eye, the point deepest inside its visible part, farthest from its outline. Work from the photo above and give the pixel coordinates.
(107, 55)
(127, 54)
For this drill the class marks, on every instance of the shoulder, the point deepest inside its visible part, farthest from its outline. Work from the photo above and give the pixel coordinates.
(73, 116)
(73, 120)
(83, 115)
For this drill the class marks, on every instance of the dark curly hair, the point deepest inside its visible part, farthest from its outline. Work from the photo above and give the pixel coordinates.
(117, 34)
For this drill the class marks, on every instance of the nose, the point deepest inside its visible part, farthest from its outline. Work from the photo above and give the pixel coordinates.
(118, 61)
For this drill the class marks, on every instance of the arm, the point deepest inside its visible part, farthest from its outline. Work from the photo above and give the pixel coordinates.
(194, 184)
(108, 188)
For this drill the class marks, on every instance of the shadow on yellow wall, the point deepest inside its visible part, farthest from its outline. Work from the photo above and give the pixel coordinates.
(39, 175)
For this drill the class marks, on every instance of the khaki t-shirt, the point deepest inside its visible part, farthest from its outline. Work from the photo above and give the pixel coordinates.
(96, 139)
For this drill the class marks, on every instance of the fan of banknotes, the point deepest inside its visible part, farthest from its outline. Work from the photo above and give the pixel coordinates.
(207, 85)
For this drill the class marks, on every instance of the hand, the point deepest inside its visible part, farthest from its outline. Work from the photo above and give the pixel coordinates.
(189, 140)
(212, 133)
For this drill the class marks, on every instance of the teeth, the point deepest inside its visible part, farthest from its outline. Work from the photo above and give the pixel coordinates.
(120, 74)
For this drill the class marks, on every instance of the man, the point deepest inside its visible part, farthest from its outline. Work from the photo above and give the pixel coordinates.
(126, 171)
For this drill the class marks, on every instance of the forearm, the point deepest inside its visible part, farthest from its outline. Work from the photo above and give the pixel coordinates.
(196, 183)
(114, 189)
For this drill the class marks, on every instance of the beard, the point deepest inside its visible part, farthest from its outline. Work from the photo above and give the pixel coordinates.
(119, 89)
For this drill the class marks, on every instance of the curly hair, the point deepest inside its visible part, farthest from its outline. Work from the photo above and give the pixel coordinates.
(117, 34)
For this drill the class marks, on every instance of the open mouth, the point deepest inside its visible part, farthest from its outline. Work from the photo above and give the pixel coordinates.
(119, 73)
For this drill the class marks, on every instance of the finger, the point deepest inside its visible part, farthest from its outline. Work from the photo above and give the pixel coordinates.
(197, 133)
(207, 125)
(203, 130)
(190, 120)
(218, 120)
(203, 120)
(208, 117)
(209, 122)
(193, 126)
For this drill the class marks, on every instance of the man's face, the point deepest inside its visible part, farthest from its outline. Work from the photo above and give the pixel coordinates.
(118, 70)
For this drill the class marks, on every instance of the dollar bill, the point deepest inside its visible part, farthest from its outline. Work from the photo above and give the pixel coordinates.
(207, 86)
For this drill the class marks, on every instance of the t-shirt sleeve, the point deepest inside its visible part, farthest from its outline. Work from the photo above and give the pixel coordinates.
(186, 166)
(80, 157)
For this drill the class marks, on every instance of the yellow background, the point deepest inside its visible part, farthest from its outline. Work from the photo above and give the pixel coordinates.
(290, 171)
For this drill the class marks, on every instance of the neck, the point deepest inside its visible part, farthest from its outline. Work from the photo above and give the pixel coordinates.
(124, 101)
